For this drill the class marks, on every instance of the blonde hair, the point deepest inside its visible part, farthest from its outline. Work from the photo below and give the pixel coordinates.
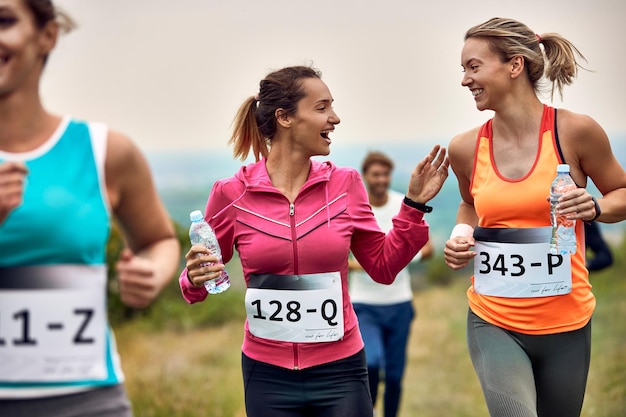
(246, 133)
(558, 62)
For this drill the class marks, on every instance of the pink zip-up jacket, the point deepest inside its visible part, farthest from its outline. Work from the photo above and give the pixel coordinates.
(330, 217)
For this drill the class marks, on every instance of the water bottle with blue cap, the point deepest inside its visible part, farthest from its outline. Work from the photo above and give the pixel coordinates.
(200, 233)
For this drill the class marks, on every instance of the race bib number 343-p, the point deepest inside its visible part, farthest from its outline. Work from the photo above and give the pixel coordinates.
(295, 308)
(517, 263)
(52, 323)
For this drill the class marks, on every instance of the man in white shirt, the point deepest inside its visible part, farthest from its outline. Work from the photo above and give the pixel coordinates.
(385, 312)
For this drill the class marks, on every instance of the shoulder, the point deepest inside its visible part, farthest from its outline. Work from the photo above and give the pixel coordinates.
(348, 176)
(460, 142)
(580, 134)
(461, 150)
(231, 186)
(347, 172)
(576, 124)
(122, 153)
(128, 176)
(587, 149)
(333, 172)
(338, 179)
(123, 159)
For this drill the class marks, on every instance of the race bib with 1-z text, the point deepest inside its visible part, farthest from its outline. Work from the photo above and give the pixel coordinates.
(53, 323)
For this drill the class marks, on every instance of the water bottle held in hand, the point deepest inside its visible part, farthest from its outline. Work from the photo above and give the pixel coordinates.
(563, 238)
(200, 233)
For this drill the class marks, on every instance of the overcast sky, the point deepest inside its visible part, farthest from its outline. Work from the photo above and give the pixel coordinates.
(172, 74)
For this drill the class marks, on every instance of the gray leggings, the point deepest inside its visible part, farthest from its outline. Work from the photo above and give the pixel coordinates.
(530, 375)
(110, 401)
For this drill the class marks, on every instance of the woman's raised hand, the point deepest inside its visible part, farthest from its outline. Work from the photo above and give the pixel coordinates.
(428, 176)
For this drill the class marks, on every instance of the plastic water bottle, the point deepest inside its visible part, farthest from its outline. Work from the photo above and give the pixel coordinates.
(200, 233)
(563, 238)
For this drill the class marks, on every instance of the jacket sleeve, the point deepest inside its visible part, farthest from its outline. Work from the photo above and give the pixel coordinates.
(382, 255)
(218, 216)
(190, 293)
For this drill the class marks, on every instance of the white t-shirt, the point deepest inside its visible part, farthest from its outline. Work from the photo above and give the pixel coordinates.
(362, 288)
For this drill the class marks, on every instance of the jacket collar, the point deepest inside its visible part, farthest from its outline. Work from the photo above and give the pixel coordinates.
(256, 178)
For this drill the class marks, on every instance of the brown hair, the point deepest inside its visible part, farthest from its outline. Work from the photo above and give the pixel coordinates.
(44, 11)
(508, 38)
(254, 125)
(375, 157)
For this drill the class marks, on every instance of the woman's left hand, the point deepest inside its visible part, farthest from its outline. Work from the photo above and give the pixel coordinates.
(577, 204)
(428, 176)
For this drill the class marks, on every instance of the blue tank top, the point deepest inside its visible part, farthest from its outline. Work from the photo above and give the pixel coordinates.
(64, 220)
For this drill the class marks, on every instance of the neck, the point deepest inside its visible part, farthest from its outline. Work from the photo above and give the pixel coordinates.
(25, 123)
(518, 121)
(377, 200)
(288, 172)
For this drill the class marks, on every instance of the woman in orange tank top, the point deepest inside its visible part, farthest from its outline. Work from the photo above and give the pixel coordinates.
(530, 349)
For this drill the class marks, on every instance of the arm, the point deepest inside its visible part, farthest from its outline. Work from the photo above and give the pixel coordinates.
(148, 262)
(587, 150)
(457, 251)
(602, 256)
(426, 252)
(200, 264)
(383, 256)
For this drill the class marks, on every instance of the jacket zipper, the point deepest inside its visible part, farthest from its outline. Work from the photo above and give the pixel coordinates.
(292, 221)
(294, 236)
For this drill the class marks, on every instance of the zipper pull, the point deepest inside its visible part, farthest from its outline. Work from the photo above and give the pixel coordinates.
(291, 209)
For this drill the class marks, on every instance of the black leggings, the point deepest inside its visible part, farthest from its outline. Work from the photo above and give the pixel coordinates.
(530, 375)
(336, 389)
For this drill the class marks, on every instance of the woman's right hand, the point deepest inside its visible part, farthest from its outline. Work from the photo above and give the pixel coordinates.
(457, 252)
(202, 265)
(12, 184)
(428, 176)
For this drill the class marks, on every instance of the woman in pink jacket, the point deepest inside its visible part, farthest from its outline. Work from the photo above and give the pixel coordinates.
(293, 221)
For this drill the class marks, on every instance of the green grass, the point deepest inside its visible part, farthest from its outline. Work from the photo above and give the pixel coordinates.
(606, 386)
(183, 360)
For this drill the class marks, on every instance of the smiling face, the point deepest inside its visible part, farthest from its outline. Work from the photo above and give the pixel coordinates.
(23, 46)
(377, 179)
(485, 74)
(314, 120)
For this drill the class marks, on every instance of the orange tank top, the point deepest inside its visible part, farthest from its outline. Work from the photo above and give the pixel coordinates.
(522, 203)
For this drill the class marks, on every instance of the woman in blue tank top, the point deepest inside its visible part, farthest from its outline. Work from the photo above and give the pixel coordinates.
(61, 181)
